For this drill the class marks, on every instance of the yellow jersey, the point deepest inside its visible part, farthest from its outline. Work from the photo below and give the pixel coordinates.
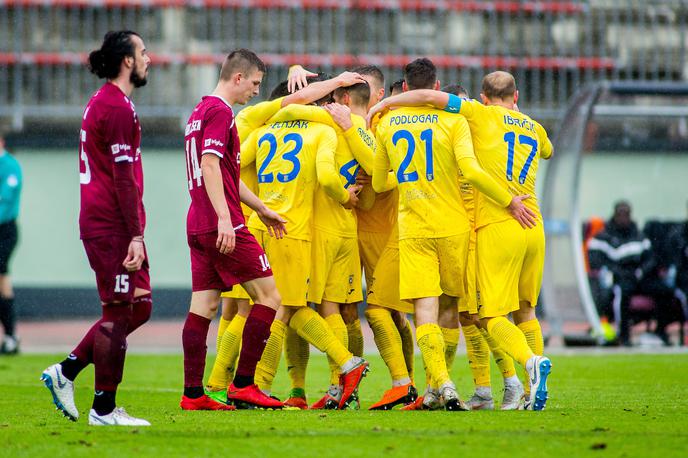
(355, 148)
(248, 120)
(468, 196)
(423, 147)
(285, 155)
(508, 145)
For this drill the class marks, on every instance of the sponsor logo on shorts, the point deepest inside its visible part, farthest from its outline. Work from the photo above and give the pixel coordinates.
(117, 148)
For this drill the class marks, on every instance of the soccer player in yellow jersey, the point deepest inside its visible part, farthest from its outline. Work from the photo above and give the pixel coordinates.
(287, 157)
(425, 148)
(335, 275)
(510, 258)
(235, 303)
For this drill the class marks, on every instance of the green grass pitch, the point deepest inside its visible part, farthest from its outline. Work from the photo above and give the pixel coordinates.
(600, 405)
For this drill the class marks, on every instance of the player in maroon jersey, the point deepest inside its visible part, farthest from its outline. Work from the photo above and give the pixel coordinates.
(223, 251)
(111, 222)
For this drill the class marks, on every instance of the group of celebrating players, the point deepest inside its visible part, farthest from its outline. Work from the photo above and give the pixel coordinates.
(428, 193)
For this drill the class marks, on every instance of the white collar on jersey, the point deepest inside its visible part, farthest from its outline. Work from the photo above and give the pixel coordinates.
(221, 98)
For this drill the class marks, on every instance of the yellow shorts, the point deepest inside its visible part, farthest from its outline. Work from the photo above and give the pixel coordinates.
(383, 289)
(237, 292)
(336, 269)
(430, 267)
(290, 260)
(469, 303)
(509, 264)
(370, 247)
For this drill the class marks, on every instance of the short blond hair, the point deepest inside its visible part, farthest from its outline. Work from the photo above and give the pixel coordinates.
(499, 85)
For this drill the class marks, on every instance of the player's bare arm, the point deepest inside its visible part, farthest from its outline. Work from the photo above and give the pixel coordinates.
(210, 168)
(298, 78)
(135, 254)
(317, 90)
(341, 114)
(272, 220)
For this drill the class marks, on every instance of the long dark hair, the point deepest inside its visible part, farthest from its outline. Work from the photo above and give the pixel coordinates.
(105, 62)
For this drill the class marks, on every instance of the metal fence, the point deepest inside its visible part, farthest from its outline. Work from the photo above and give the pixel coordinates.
(553, 47)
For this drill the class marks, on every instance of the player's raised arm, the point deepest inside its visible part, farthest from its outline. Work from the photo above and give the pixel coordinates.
(311, 113)
(414, 98)
(319, 89)
(272, 220)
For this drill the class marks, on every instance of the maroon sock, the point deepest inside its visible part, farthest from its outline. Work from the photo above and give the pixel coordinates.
(253, 340)
(82, 355)
(142, 308)
(194, 338)
(110, 345)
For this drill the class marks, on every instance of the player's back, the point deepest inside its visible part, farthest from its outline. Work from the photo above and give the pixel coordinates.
(508, 145)
(110, 133)
(421, 144)
(285, 155)
(211, 129)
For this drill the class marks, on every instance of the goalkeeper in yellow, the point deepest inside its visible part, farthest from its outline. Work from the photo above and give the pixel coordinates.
(510, 258)
(425, 147)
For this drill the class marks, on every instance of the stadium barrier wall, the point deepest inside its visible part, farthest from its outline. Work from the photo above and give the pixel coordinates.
(553, 47)
(53, 278)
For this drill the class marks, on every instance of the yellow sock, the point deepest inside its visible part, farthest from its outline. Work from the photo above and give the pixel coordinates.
(431, 344)
(296, 353)
(531, 329)
(227, 353)
(267, 366)
(388, 342)
(220, 331)
(478, 355)
(355, 345)
(408, 347)
(451, 341)
(339, 329)
(510, 338)
(315, 330)
(504, 361)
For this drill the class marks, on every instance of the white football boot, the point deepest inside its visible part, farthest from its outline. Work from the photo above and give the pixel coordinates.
(62, 390)
(118, 417)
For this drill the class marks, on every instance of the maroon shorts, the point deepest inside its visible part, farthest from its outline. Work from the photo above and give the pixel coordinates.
(115, 282)
(211, 269)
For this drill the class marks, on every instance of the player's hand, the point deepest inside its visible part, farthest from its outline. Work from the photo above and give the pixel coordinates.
(298, 78)
(524, 215)
(136, 253)
(349, 79)
(226, 238)
(353, 196)
(341, 114)
(274, 223)
(379, 108)
(363, 178)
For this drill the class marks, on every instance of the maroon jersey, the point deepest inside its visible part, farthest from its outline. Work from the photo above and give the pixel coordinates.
(110, 170)
(211, 130)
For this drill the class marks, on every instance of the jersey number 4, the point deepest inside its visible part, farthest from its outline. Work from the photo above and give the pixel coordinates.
(426, 136)
(289, 156)
(510, 139)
